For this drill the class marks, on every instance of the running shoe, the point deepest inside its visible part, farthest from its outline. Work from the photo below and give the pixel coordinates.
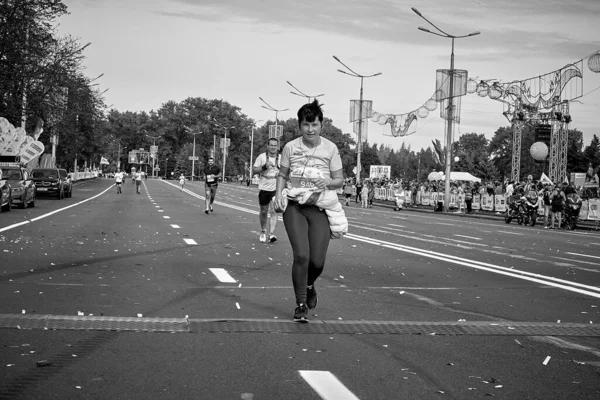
(301, 313)
(263, 238)
(311, 297)
(205, 211)
(272, 238)
(211, 210)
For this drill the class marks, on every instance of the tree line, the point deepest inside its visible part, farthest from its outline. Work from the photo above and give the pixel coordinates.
(43, 80)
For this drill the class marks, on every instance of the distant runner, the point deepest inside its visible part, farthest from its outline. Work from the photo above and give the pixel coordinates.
(211, 173)
(181, 181)
(119, 181)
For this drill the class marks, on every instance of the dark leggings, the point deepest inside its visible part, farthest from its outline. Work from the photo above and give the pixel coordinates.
(308, 230)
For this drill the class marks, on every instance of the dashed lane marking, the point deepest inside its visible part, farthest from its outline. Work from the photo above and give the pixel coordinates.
(511, 233)
(583, 255)
(190, 241)
(327, 385)
(469, 237)
(166, 217)
(175, 226)
(222, 275)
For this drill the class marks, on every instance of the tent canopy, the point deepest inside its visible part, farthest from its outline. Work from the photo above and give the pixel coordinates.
(462, 176)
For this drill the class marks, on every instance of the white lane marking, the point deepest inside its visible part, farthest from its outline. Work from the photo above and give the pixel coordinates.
(327, 385)
(511, 233)
(515, 273)
(161, 210)
(434, 239)
(469, 237)
(157, 206)
(175, 226)
(6, 228)
(441, 223)
(577, 261)
(166, 217)
(222, 275)
(481, 230)
(190, 241)
(398, 226)
(583, 255)
(13, 226)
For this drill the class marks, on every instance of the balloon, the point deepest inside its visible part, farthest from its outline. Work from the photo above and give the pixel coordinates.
(471, 86)
(594, 62)
(431, 104)
(539, 151)
(422, 112)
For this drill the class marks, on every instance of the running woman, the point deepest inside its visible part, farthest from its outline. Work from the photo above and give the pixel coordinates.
(267, 166)
(211, 172)
(308, 161)
(181, 181)
(119, 181)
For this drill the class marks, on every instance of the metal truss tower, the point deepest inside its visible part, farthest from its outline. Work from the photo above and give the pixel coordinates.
(517, 127)
(559, 142)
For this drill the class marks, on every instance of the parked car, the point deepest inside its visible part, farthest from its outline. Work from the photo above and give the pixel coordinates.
(5, 200)
(52, 182)
(22, 186)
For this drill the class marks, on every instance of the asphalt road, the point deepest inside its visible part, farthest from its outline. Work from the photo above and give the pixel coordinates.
(144, 296)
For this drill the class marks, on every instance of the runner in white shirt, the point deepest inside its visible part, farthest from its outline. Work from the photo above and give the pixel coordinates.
(118, 181)
(181, 181)
(138, 180)
(267, 166)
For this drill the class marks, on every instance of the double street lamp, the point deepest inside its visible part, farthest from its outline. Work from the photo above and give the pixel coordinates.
(271, 108)
(252, 148)
(193, 149)
(153, 155)
(302, 94)
(360, 109)
(225, 128)
(450, 114)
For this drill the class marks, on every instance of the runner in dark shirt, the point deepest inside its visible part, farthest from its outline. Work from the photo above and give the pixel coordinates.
(211, 173)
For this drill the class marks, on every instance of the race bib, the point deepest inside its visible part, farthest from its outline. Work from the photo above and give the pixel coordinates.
(210, 178)
(304, 178)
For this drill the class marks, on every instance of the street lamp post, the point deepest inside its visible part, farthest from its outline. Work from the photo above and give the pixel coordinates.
(225, 128)
(166, 161)
(193, 149)
(154, 138)
(271, 108)
(450, 116)
(302, 94)
(252, 148)
(360, 108)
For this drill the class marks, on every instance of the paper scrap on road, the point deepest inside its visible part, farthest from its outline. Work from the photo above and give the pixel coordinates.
(546, 360)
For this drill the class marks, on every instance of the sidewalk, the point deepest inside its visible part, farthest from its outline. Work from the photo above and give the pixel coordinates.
(477, 214)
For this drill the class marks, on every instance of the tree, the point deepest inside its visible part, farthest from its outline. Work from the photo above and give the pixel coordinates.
(473, 153)
(591, 153)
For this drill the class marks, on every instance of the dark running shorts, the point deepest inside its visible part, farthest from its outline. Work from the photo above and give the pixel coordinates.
(265, 197)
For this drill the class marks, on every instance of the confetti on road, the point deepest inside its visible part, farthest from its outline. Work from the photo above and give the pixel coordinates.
(546, 360)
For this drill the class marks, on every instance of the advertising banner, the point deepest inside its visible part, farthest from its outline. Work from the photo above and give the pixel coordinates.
(380, 171)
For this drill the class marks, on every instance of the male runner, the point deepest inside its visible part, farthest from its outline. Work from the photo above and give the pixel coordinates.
(267, 166)
(119, 181)
(211, 173)
(138, 180)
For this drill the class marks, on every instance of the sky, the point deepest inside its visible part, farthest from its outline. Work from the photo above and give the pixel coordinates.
(154, 51)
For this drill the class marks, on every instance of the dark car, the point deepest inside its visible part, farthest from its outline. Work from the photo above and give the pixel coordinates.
(52, 182)
(5, 195)
(22, 187)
